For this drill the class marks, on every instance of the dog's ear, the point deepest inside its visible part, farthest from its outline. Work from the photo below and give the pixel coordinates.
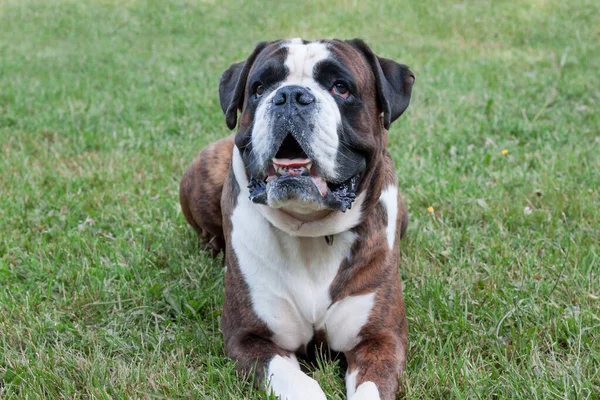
(232, 86)
(227, 84)
(394, 83)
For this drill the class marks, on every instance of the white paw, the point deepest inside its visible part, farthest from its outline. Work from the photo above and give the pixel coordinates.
(287, 382)
(366, 391)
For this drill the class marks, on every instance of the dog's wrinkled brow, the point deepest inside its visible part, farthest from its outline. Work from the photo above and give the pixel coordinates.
(330, 70)
(269, 73)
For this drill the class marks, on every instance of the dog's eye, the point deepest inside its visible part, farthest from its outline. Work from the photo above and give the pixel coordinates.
(259, 90)
(340, 89)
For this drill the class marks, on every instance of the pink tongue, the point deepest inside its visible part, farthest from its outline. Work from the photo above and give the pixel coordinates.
(321, 185)
(288, 162)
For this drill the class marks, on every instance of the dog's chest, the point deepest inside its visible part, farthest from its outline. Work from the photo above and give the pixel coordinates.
(289, 279)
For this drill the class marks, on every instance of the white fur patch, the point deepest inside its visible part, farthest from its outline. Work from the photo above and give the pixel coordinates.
(261, 132)
(366, 391)
(389, 198)
(288, 382)
(300, 62)
(289, 277)
(351, 383)
(345, 319)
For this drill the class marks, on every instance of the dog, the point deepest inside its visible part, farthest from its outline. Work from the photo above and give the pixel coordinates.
(303, 200)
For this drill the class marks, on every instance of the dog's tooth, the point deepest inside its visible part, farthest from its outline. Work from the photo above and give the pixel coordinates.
(302, 170)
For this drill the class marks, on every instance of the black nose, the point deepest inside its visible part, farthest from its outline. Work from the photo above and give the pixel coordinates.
(292, 95)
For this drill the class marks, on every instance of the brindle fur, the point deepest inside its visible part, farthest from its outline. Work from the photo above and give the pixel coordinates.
(208, 195)
(200, 193)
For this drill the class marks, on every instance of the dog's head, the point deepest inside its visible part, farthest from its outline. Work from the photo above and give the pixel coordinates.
(314, 116)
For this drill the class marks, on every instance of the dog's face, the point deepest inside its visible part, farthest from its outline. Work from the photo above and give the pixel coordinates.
(313, 115)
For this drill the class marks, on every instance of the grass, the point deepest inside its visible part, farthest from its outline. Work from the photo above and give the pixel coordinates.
(104, 291)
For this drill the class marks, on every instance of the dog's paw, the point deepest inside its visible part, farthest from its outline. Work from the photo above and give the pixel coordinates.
(366, 391)
(287, 382)
(296, 386)
(300, 389)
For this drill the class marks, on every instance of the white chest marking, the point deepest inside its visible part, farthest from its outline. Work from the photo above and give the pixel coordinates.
(389, 198)
(345, 319)
(289, 278)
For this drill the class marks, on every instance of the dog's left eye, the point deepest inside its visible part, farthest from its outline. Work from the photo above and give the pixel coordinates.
(340, 89)
(259, 90)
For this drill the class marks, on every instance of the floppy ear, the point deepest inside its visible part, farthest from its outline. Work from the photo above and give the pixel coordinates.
(233, 84)
(394, 83)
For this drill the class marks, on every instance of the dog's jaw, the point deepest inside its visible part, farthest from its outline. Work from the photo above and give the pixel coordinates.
(308, 222)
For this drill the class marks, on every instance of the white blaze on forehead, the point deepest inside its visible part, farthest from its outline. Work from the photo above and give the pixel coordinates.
(301, 60)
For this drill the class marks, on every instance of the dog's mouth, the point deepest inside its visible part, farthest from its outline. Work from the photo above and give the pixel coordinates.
(292, 161)
(293, 176)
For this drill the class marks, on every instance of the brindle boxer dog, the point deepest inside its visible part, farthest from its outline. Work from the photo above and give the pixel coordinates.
(304, 201)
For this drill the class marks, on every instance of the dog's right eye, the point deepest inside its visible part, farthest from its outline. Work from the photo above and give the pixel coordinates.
(259, 90)
(340, 89)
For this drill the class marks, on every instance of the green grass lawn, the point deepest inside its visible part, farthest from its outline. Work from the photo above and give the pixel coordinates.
(104, 291)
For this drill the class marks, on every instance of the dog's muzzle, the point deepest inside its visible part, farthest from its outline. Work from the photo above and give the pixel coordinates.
(293, 176)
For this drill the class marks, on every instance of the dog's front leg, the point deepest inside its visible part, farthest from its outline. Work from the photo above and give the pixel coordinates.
(277, 369)
(374, 366)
